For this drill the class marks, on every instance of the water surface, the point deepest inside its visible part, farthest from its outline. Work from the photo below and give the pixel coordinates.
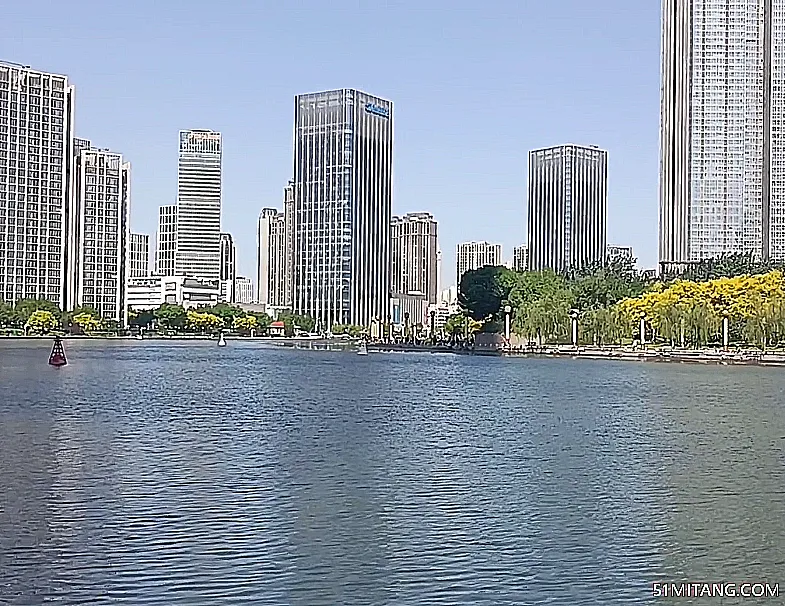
(181, 473)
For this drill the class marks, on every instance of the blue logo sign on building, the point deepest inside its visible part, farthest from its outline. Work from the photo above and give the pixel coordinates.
(378, 110)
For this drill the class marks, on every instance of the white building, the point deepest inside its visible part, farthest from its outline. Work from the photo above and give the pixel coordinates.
(271, 258)
(199, 205)
(36, 133)
(520, 258)
(101, 206)
(475, 255)
(449, 296)
(414, 255)
(568, 205)
(243, 290)
(228, 255)
(343, 169)
(722, 130)
(153, 291)
(166, 240)
(139, 256)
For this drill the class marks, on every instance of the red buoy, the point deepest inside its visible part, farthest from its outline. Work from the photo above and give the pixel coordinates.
(57, 357)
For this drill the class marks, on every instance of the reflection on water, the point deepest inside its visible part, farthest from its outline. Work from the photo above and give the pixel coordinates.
(181, 473)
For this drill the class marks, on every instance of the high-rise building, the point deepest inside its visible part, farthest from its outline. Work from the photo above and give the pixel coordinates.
(139, 256)
(475, 255)
(343, 160)
(520, 258)
(228, 267)
(568, 201)
(288, 214)
(243, 290)
(101, 205)
(414, 256)
(166, 240)
(271, 258)
(722, 130)
(199, 205)
(36, 160)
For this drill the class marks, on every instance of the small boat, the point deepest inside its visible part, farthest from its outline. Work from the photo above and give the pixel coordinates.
(363, 351)
(221, 340)
(57, 357)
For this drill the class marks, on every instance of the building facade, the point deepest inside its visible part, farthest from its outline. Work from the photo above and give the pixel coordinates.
(101, 205)
(474, 255)
(153, 291)
(568, 202)
(520, 258)
(619, 253)
(243, 290)
(228, 267)
(139, 256)
(722, 130)
(199, 205)
(342, 207)
(271, 258)
(36, 163)
(414, 256)
(166, 240)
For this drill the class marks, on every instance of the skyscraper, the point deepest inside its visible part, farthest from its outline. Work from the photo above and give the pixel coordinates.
(199, 205)
(343, 159)
(228, 267)
(166, 240)
(36, 160)
(271, 258)
(101, 205)
(243, 290)
(722, 139)
(568, 202)
(414, 255)
(139, 256)
(475, 255)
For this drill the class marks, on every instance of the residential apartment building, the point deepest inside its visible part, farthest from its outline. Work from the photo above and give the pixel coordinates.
(342, 207)
(474, 255)
(36, 163)
(139, 256)
(722, 130)
(166, 240)
(199, 205)
(415, 256)
(228, 267)
(568, 202)
(101, 207)
(271, 258)
(520, 258)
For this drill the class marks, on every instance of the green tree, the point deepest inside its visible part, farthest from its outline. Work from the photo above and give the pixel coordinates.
(482, 292)
(24, 308)
(8, 317)
(142, 318)
(263, 320)
(226, 312)
(41, 322)
(172, 317)
(88, 322)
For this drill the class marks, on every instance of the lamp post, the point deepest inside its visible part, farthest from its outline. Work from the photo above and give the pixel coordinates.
(433, 326)
(643, 331)
(725, 331)
(406, 326)
(389, 329)
(574, 313)
(507, 312)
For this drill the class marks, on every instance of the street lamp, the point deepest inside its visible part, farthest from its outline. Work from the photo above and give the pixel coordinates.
(643, 331)
(507, 312)
(725, 331)
(433, 327)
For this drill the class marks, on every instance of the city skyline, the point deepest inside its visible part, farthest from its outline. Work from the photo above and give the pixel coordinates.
(470, 174)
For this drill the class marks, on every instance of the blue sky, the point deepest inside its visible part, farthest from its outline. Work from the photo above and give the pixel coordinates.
(475, 86)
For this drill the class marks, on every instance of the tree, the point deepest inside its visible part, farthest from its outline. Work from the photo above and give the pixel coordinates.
(24, 308)
(245, 324)
(88, 322)
(142, 318)
(263, 321)
(171, 316)
(8, 317)
(203, 322)
(226, 312)
(41, 322)
(483, 291)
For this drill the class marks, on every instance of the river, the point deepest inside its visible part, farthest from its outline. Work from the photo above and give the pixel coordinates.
(174, 473)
